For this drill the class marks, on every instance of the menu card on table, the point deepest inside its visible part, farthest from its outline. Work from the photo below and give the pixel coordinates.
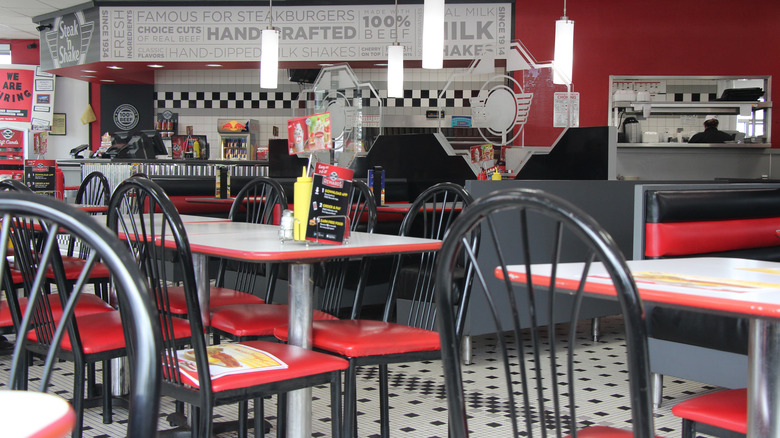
(330, 190)
(227, 359)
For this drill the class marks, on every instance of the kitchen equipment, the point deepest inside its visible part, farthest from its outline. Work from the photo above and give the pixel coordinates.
(631, 130)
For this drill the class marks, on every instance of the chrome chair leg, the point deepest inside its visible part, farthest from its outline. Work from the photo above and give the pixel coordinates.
(658, 389)
(465, 348)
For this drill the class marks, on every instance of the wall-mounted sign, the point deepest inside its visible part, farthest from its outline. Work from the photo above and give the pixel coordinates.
(566, 111)
(232, 33)
(73, 40)
(26, 97)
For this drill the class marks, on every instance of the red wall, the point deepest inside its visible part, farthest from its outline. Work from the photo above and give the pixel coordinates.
(21, 55)
(660, 37)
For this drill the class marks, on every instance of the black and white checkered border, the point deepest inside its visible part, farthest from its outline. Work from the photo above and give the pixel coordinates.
(287, 99)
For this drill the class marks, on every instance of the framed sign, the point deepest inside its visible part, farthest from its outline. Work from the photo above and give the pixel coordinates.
(58, 124)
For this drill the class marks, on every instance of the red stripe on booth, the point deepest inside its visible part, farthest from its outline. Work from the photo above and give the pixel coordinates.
(683, 238)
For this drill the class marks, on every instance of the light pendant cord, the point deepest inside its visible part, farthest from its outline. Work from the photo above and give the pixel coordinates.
(396, 21)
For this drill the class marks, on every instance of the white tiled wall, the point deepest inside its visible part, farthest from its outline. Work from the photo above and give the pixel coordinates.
(204, 121)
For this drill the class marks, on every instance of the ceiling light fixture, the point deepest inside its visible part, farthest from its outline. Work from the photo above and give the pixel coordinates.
(269, 55)
(114, 67)
(563, 60)
(433, 34)
(155, 66)
(213, 65)
(395, 64)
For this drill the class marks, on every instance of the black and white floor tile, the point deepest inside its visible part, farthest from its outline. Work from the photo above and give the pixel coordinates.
(418, 400)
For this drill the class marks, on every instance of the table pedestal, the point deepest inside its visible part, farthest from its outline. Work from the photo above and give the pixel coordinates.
(301, 291)
(764, 378)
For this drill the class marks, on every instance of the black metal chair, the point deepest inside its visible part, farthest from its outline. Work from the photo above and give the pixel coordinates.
(53, 339)
(149, 232)
(261, 320)
(413, 338)
(542, 378)
(260, 201)
(93, 190)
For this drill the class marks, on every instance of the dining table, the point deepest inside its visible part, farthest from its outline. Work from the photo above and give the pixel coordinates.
(35, 414)
(726, 286)
(211, 237)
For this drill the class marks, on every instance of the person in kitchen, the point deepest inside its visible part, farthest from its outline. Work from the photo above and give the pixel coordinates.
(711, 134)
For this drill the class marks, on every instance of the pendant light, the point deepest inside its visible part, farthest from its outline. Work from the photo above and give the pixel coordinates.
(433, 34)
(395, 64)
(269, 55)
(564, 49)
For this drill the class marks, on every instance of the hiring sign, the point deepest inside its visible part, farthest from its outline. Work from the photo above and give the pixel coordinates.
(16, 95)
(328, 221)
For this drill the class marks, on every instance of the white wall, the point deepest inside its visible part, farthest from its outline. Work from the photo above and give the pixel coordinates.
(71, 98)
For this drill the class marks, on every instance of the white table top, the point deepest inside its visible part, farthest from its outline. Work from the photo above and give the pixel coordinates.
(27, 413)
(722, 285)
(243, 241)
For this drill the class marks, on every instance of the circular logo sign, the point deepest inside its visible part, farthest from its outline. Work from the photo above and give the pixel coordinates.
(126, 117)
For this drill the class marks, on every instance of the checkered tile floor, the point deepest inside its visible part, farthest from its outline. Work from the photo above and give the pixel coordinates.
(417, 396)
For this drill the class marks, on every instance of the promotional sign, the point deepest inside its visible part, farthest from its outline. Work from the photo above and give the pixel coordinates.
(12, 144)
(328, 221)
(308, 33)
(39, 175)
(481, 153)
(310, 133)
(126, 108)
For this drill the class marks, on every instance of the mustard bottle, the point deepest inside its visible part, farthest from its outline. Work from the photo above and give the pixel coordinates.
(196, 149)
(302, 198)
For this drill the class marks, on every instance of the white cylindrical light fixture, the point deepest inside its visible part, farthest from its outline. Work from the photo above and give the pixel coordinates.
(269, 59)
(564, 51)
(433, 34)
(395, 70)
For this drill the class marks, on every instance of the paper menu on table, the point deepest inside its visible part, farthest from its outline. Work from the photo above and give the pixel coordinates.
(227, 359)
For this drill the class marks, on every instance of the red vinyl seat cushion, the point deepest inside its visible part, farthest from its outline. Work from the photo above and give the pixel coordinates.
(101, 332)
(86, 305)
(725, 409)
(359, 338)
(255, 320)
(74, 265)
(218, 296)
(300, 363)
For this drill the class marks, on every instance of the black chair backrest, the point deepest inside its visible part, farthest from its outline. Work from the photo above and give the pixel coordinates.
(148, 232)
(94, 190)
(50, 217)
(260, 201)
(13, 185)
(334, 276)
(539, 367)
(430, 216)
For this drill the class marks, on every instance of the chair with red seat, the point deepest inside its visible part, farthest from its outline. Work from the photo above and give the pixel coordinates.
(714, 413)
(94, 334)
(370, 342)
(135, 308)
(190, 379)
(87, 303)
(539, 374)
(260, 201)
(258, 321)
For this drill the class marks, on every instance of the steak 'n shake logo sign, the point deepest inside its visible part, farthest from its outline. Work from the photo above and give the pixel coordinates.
(68, 41)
